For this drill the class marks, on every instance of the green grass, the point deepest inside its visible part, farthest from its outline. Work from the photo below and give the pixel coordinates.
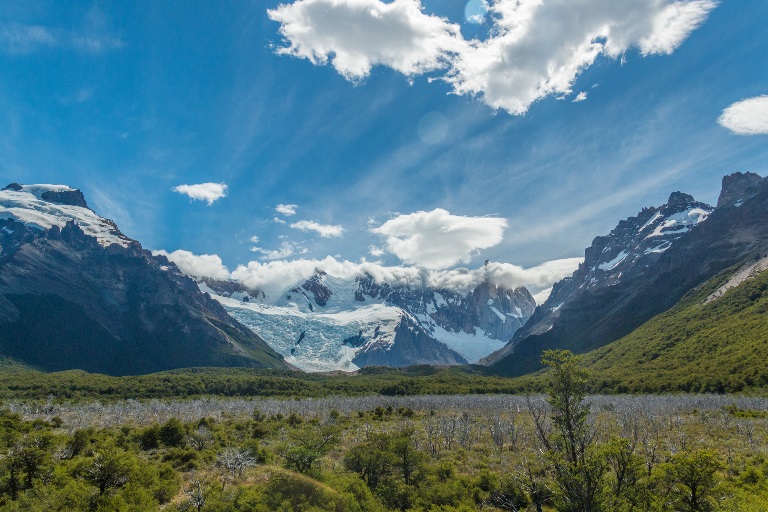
(717, 347)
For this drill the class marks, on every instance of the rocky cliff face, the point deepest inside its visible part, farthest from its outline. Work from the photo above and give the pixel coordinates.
(642, 268)
(77, 293)
(738, 187)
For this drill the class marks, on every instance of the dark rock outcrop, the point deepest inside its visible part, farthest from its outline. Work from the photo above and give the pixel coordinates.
(738, 187)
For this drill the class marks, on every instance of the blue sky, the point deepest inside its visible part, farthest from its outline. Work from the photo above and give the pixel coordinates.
(128, 101)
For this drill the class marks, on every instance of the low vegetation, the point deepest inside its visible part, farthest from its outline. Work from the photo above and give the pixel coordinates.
(23, 383)
(698, 346)
(563, 451)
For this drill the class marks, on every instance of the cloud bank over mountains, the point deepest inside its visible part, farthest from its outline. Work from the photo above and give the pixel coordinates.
(534, 49)
(274, 277)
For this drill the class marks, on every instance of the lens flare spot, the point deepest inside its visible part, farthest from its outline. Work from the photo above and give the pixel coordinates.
(433, 127)
(475, 11)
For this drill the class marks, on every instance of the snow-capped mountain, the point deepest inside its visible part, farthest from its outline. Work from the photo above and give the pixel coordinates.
(77, 293)
(333, 323)
(642, 268)
(629, 250)
(45, 206)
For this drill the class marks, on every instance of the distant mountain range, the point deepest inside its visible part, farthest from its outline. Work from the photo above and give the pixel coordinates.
(77, 293)
(644, 267)
(664, 301)
(333, 323)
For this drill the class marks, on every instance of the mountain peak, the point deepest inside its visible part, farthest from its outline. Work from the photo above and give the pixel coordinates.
(59, 194)
(46, 206)
(679, 198)
(738, 187)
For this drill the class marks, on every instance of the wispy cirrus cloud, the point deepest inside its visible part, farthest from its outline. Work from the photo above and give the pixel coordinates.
(535, 49)
(747, 117)
(285, 250)
(324, 230)
(208, 192)
(23, 39)
(19, 39)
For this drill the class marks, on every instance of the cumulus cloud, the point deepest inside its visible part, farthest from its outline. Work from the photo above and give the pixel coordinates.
(324, 230)
(437, 239)
(286, 209)
(208, 192)
(535, 49)
(203, 265)
(355, 35)
(376, 251)
(748, 117)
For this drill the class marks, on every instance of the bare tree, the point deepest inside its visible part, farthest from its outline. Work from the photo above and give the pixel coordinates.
(197, 493)
(235, 461)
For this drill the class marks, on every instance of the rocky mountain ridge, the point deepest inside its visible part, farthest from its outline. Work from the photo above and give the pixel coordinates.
(642, 268)
(75, 292)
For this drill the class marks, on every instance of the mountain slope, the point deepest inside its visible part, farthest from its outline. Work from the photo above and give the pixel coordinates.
(599, 305)
(714, 340)
(77, 293)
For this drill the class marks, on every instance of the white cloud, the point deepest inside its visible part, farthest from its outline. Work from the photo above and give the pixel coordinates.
(278, 220)
(542, 296)
(748, 117)
(208, 192)
(376, 251)
(286, 209)
(204, 265)
(535, 48)
(535, 278)
(286, 249)
(355, 35)
(582, 96)
(254, 239)
(324, 230)
(437, 239)
(274, 277)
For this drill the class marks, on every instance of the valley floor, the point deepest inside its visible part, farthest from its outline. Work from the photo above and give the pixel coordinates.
(430, 452)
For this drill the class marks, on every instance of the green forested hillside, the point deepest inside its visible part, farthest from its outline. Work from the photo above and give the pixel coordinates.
(19, 382)
(721, 346)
